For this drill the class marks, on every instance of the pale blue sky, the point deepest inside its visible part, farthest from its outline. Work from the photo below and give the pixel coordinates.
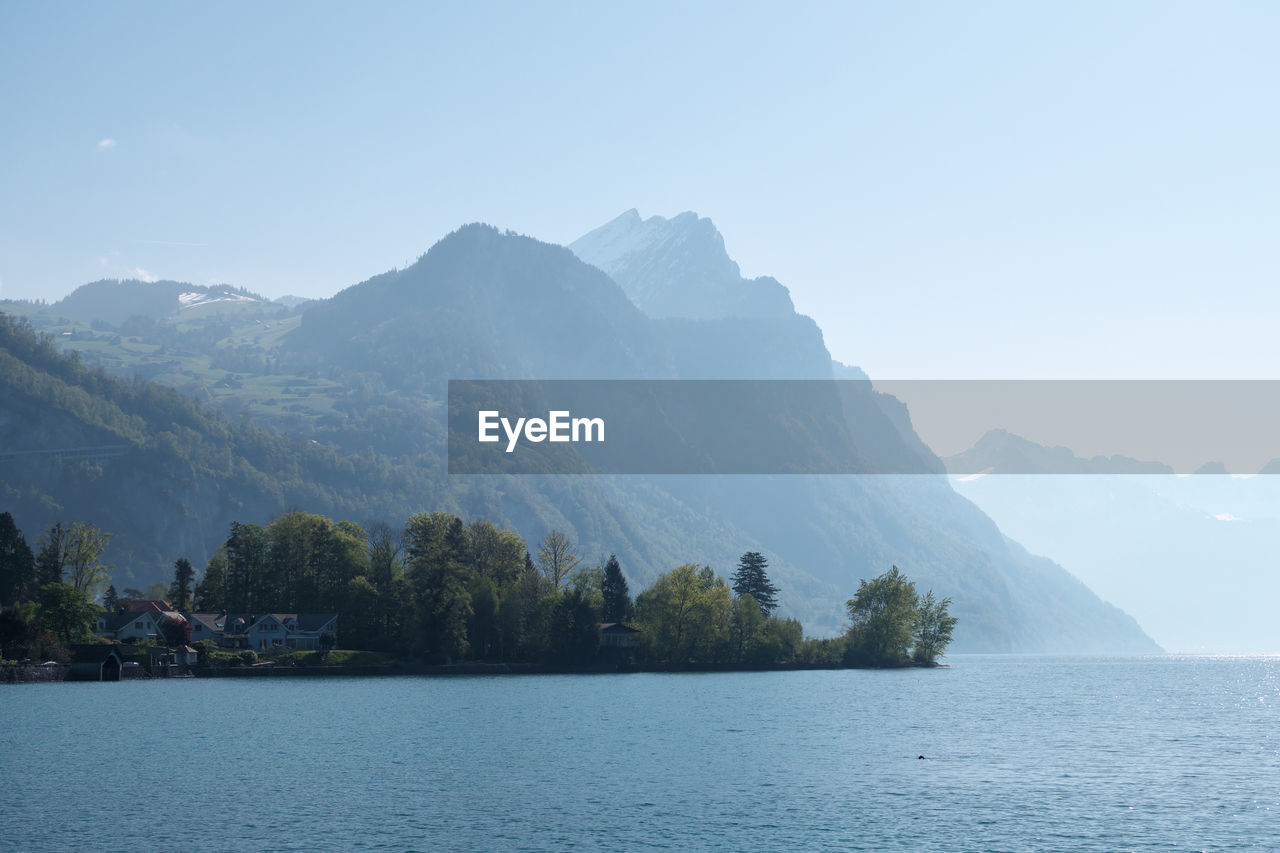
(951, 190)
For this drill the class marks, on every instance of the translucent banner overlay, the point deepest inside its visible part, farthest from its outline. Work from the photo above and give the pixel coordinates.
(860, 427)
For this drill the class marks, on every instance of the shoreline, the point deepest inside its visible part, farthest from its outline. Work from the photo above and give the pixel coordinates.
(33, 674)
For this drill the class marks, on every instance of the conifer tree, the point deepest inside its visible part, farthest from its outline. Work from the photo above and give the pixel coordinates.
(180, 589)
(751, 579)
(617, 597)
(17, 564)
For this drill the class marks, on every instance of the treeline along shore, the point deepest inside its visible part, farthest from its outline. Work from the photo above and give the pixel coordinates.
(439, 596)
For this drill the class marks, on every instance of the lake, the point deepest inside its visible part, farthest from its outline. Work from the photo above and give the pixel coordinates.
(1021, 753)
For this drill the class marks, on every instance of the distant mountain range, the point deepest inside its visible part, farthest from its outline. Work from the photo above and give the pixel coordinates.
(112, 302)
(1190, 556)
(1002, 452)
(361, 377)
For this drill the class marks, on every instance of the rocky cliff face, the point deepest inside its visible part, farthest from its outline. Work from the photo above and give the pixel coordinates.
(679, 268)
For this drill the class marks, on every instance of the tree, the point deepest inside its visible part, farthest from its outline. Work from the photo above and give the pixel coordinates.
(180, 590)
(438, 577)
(84, 546)
(211, 592)
(110, 598)
(17, 563)
(575, 628)
(52, 556)
(685, 614)
(176, 630)
(246, 552)
(557, 557)
(617, 597)
(882, 616)
(933, 629)
(17, 631)
(751, 579)
(745, 624)
(67, 611)
(495, 553)
(483, 632)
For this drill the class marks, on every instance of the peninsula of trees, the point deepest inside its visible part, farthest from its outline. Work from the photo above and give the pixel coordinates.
(441, 590)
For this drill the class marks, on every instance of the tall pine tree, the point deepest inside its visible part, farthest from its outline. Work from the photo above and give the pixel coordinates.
(17, 564)
(617, 597)
(180, 589)
(751, 579)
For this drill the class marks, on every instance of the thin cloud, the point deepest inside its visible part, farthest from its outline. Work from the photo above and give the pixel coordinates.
(142, 275)
(106, 144)
(169, 243)
(1226, 516)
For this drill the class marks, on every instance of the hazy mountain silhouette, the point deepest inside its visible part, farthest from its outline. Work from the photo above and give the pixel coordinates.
(1001, 452)
(1175, 551)
(484, 304)
(114, 301)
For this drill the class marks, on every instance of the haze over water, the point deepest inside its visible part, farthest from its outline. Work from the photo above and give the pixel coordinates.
(1022, 753)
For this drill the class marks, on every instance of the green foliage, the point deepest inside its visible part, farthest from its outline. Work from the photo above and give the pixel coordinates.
(83, 558)
(825, 652)
(575, 627)
(752, 579)
(52, 555)
(888, 617)
(616, 604)
(882, 614)
(207, 650)
(211, 592)
(684, 615)
(746, 623)
(17, 563)
(18, 631)
(67, 611)
(933, 627)
(438, 576)
(180, 591)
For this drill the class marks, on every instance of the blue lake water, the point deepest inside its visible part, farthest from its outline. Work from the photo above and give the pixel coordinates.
(1022, 753)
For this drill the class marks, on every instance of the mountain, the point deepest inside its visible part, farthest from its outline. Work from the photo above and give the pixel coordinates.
(483, 304)
(114, 301)
(715, 323)
(357, 383)
(1189, 556)
(822, 533)
(678, 268)
(1001, 452)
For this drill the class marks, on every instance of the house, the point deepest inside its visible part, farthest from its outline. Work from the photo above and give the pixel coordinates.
(154, 604)
(129, 625)
(264, 631)
(166, 659)
(615, 635)
(292, 630)
(137, 623)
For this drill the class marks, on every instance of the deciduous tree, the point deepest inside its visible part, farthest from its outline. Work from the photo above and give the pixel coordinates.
(882, 615)
(84, 546)
(933, 629)
(558, 558)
